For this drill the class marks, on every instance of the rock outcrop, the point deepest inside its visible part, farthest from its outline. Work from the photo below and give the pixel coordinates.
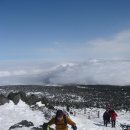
(3, 99)
(23, 123)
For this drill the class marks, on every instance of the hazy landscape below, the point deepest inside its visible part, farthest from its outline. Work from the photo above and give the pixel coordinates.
(77, 96)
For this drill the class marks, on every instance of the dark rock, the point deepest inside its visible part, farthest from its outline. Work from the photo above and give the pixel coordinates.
(15, 126)
(44, 100)
(36, 128)
(71, 112)
(23, 123)
(15, 97)
(3, 99)
(32, 99)
(47, 115)
(49, 106)
(39, 128)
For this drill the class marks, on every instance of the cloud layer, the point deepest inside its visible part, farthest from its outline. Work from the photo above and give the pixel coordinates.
(112, 72)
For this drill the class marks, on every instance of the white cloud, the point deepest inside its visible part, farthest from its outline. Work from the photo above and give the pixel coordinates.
(116, 46)
(4, 73)
(116, 72)
(112, 72)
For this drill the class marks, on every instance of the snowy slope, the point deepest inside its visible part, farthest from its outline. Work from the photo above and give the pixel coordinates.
(12, 114)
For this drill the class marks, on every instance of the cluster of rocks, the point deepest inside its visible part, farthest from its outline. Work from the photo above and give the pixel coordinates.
(31, 100)
(28, 99)
(25, 123)
(3, 99)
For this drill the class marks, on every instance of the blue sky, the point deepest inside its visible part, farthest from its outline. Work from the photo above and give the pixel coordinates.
(53, 30)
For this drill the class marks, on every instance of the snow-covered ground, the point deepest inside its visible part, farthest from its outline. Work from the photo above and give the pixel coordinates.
(11, 114)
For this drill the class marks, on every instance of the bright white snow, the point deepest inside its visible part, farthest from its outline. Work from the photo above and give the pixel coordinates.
(11, 114)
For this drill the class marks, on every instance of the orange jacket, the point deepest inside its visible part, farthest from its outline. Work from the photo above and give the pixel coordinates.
(60, 125)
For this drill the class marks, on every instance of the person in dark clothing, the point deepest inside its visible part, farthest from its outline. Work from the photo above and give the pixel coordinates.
(109, 111)
(109, 108)
(106, 117)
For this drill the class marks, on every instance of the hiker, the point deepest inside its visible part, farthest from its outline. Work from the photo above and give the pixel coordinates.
(109, 108)
(68, 108)
(106, 117)
(113, 118)
(61, 121)
(109, 111)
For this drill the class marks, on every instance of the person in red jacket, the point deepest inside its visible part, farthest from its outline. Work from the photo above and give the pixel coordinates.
(113, 118)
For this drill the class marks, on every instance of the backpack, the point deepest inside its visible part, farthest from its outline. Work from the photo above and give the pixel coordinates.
(46, 127)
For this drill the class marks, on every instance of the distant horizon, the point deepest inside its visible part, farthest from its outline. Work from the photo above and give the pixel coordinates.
(65, 85)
